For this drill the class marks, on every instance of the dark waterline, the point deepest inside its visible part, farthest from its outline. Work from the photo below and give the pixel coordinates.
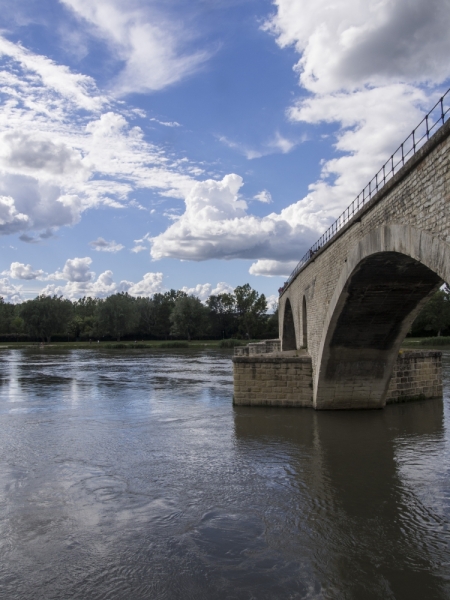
(131, 476)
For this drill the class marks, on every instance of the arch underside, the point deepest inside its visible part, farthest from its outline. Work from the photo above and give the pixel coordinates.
(371, 317)
(289, 339)
(304, 324)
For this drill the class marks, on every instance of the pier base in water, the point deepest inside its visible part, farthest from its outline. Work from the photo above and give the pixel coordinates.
(274, 378)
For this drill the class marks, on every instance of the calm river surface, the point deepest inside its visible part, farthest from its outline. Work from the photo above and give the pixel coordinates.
(131, 476)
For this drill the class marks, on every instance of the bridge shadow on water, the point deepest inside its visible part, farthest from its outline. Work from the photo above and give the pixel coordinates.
(368, 519)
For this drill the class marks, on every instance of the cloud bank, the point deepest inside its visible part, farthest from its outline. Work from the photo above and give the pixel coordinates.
(79, 280)
(216, 224)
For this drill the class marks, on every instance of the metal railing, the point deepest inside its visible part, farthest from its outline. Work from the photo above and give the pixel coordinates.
(416, 139)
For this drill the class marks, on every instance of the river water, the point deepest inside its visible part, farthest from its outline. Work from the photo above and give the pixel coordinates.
(130, 475)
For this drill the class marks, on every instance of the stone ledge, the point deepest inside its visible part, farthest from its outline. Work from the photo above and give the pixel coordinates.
(408, 354)
(402, 399)
(265, 358)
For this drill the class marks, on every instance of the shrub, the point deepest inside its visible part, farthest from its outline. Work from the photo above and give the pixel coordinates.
(116, 346)
(231, 343)
(429, 341)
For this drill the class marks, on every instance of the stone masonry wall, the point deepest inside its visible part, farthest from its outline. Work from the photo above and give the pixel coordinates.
(418, 196)
(266, 380)
(416, 375)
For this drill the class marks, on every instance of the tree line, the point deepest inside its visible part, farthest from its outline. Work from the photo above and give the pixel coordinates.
(434, 319)
(173, 314)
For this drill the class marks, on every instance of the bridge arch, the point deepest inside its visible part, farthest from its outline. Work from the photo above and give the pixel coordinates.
(385, 281)
(289, 340)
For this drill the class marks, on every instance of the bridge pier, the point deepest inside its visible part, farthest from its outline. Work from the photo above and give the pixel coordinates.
(275, 378)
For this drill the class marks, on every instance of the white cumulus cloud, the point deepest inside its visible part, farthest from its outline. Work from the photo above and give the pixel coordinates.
(273, 268)
(348, 43)
(150, 284)
(104, 285)
(10, 292)
(11, 219)
(166, 123)
(203, 290)
(101, 245)
(216, 224)
(19, 270)
(75, 270)
(263, 196)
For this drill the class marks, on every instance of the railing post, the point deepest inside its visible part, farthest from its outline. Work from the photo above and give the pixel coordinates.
(384, 174)
(428, 129)
(442, 109)
(414, 141)
(403, 157)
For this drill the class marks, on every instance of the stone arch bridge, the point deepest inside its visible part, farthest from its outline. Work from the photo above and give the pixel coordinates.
(353, 298)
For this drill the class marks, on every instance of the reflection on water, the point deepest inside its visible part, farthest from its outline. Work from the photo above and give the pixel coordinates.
(132, 476)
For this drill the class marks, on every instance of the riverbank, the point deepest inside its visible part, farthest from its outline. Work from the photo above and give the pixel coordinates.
(128, 345)
(408, 343)
(428, 342)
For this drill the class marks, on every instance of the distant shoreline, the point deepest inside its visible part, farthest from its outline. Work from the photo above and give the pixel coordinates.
(428, 342)
(127, 345)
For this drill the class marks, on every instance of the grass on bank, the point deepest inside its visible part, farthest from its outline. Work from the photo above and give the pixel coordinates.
(428, 342)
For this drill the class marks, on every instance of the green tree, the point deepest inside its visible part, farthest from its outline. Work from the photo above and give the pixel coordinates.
(222, 316)
(76, 327)
(163, 305)
(435, 315)
(86, 307)
(251, 308)
(17, 325)
(146, 314)
(46, 315)
(7, 314)
(85, 318)
(189, 317)
(272, 325)
(117, 315)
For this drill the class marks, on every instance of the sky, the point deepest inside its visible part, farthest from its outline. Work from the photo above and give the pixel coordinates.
(157, 144)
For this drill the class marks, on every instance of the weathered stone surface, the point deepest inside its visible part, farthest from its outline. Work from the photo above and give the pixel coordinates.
(271, 380)
(363, 289)
(416, 375)
(262, 347)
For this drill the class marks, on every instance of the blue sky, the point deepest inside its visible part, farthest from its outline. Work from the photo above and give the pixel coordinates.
(148, 145)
